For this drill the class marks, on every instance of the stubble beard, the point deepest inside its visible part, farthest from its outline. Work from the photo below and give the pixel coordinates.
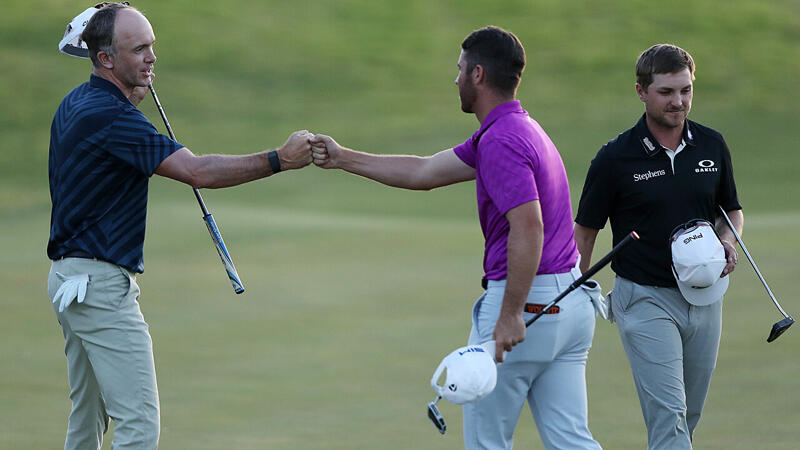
(468, 95)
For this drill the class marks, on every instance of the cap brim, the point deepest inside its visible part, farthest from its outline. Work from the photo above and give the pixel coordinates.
(703, 296)
(73, 50)
(72, 44)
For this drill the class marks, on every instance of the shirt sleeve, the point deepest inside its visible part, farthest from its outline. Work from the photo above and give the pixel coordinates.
(726, 191)
(135, 140)
(594, 206)
(507, 173)
(466, 151)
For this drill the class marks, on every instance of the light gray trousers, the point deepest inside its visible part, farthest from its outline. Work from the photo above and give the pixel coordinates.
(672, 349)
(548, 370)
(109, 356)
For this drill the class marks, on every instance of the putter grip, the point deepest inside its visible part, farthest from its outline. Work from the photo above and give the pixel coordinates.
(588, 274)
(216, 237)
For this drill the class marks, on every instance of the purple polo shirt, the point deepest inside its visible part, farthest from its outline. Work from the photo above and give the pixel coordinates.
(515, 162)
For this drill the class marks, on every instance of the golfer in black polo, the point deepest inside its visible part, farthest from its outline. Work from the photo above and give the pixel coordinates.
(663, 172)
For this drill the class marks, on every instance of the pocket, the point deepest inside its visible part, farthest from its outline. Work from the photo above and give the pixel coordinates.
(595, 292)
(110, 289)
(622, 298)
(610, 304)
(486, 312)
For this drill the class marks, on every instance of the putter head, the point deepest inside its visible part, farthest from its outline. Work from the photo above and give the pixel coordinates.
(436, 417)
(779, 328)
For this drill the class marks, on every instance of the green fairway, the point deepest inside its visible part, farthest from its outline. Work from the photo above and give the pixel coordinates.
(355, 291)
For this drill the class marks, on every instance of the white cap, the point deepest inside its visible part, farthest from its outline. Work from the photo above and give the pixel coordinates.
(698, 259)
(72, 44)
(471, 373)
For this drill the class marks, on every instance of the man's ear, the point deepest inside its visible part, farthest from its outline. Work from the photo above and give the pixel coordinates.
(478, 75)
(641, 92)
(105, 60)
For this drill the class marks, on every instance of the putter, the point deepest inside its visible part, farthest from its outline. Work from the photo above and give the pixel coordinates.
(73, 45)
(436, 417)
(782, 325)
(633, 236)
(433, 412)
(216, 236)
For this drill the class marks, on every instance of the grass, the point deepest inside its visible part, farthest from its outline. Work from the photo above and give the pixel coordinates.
(356, 291)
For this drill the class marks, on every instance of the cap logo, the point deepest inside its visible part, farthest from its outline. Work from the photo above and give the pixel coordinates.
(471, 350)
(693, 237)
(453, 387)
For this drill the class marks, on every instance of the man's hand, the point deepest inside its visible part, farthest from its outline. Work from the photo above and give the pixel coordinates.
(140, 92)
(508, 332)
(325, 151)
(731, 256)
(296, 152)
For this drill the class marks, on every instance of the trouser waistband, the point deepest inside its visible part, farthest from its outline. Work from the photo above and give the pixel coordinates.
(545, 279)
(77, 254)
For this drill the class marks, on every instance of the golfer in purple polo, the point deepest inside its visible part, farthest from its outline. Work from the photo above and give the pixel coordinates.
(530, 254)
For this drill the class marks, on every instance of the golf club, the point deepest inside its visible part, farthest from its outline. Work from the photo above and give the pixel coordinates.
(436, 417)
(73, 45)
(588, 274)
(782, 325)
(433, 412)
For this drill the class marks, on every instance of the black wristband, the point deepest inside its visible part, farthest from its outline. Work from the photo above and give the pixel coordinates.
(274, 161)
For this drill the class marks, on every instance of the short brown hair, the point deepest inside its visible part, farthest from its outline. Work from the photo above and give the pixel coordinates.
(500, 53)
(662, 58)
(99, 32)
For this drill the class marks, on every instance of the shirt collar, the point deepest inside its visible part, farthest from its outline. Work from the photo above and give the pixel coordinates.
(650, 143)
(499, 111)
(101, 83)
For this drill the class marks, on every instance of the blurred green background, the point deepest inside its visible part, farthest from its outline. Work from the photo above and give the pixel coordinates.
(356, 291)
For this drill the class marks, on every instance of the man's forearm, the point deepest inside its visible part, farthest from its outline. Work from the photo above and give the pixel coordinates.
(400, 171)
(585, 239)
(219, 171)
(724, 231)
(524, 255)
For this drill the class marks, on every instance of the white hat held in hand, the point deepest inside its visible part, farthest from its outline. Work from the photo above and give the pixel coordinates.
(698, 259)
(471, 373)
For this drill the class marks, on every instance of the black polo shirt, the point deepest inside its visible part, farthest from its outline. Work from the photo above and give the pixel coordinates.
(632, 183)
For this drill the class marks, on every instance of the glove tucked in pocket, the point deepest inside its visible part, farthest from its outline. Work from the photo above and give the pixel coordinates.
(594, 291)
(73, 287)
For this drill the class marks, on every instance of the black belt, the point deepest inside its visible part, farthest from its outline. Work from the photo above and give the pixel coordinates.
(77, 254)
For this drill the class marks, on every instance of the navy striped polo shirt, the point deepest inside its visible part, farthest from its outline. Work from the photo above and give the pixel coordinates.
(103, 151)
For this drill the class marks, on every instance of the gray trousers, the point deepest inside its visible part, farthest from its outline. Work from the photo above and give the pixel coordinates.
(109, 357)
(672, 349)
(547, 370)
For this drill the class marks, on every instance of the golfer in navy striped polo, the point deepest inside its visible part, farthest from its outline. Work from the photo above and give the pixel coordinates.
(102, 153)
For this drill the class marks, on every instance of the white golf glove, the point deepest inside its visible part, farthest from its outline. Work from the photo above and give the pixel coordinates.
(595, 292)
(74, 286)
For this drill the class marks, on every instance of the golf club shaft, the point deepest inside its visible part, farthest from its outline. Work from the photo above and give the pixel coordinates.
(752, 262)
(588, 274)
(213, 230)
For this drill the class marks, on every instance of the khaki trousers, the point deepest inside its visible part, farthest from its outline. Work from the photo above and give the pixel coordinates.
(109, 356)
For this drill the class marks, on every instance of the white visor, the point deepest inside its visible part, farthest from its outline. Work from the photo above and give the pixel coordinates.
(72, 44)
